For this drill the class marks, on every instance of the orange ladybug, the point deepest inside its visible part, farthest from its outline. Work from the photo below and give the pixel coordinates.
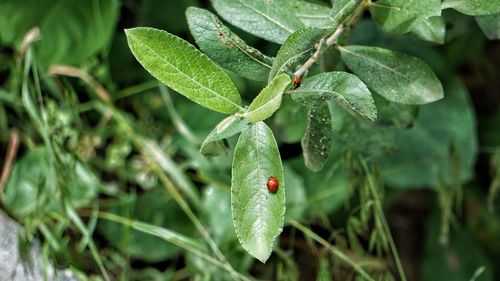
(272, 184)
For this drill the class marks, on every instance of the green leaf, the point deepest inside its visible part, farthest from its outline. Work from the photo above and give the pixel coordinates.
(473, 7)
(317, 141)
(490, 25)
(398, 15)
(311, 14)
(258, 215)
(183, 68)
(216, 143)
(440, 148)
(296, 50)
(224, 47)
(395, 76)
(71, 31)
(341, 86)
(269, 100)
(30, 188)
(432, 29)
(290, 113)
(261, 18)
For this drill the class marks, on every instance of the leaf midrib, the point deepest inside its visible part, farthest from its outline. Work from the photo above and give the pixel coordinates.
(182, 73)
(239, 47)
(277, 23)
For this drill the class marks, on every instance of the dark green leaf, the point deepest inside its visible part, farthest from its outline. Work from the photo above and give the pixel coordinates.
(431, 29)
(317, 141)
(296, 50)
(399, 15)
(269, 100)
(227, 49)
(341, 86)
(261, 18)
(216, 142)
(473, 7)
(440, 148)
(183, 68)
(71, 31)
(395, 76)
(257, 214)
(490, 25)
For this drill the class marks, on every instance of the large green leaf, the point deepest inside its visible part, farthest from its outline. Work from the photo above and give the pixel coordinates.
(216, 143)
(311, 14)
(341, 86)
(183, 68)
(257, 214)
(71, 31)
(490, 25)
(473, 7)
(269, 100)
(440, 148)
(395, 76)
(261, 18)
(317, 141)
(296, 50)
(431, 29)
(398, 15)
(226, 48)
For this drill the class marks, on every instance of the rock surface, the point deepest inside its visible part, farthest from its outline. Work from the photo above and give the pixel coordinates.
(28, 267)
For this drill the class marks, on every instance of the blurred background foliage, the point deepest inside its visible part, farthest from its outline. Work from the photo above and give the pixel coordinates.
(103, 136)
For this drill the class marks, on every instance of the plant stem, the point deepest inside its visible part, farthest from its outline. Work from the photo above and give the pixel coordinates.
(342, 19)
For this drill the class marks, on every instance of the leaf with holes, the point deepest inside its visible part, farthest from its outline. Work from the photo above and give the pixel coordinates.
(317, 141)
(183, 68)
(269, 100)
(258, 215)
(225, 47)
(395, 76)
(261, 18)
(343, 87)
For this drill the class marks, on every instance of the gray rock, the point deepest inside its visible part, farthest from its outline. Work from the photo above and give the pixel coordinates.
(27, 267)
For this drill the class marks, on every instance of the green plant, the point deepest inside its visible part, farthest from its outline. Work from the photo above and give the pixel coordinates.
(354, 109)
(258, 215)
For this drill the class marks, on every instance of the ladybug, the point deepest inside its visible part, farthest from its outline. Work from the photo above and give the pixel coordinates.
(296, 82)
(272, 184)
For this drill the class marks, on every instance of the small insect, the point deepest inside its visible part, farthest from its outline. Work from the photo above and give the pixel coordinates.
(272, 184)
(296, 82)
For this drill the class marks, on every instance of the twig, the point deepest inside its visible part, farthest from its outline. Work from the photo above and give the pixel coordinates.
(9, 158)
(319, 51)
(352, 9)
